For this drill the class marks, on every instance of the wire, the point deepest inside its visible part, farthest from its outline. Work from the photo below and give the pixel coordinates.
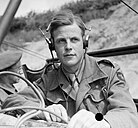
(25, 50)
(31, 107)
(49, 43)
(129, 6)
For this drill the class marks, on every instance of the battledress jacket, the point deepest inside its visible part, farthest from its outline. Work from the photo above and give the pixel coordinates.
(102, 89)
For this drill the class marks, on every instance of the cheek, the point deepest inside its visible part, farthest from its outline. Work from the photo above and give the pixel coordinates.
(79, 44)
(59, 51)
(79, 48)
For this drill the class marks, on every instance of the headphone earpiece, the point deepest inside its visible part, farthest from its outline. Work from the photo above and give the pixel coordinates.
(51, 45)
(85, 41)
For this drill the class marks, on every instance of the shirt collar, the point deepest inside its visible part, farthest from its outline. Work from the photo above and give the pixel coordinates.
(78, 74)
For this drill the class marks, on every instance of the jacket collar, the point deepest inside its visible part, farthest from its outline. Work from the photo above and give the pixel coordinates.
(58, 79)
(7, 86)
(92, 72)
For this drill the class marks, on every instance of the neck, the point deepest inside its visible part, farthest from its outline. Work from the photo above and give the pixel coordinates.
(70, 70)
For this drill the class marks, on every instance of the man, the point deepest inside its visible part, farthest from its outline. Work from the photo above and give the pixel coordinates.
(81, 86)
(9, 61)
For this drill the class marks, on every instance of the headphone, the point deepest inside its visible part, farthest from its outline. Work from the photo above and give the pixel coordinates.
(51, 43)
(85, 43)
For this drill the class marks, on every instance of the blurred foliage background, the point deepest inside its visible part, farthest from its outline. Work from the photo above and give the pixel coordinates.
(26, 29)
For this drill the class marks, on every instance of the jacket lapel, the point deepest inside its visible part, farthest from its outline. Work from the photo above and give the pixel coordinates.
(59, 80)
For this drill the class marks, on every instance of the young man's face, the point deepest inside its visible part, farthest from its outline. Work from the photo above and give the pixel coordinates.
(68, 43)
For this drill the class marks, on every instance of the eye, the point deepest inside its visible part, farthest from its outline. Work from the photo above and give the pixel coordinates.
(74, 39)
(61, 41)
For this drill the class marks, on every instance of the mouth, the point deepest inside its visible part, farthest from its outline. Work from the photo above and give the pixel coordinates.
(69, 55)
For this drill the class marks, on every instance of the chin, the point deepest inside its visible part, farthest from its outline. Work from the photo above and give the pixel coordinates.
(70, 63)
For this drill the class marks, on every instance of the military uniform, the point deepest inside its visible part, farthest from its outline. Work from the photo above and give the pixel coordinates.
(7, 60)
(102, 89)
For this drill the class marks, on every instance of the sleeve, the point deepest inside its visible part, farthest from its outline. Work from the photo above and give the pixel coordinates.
(27, 97)
(122, 111)
(3, 96)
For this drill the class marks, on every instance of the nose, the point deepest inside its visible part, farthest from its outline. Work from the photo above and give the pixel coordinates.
(68, 45)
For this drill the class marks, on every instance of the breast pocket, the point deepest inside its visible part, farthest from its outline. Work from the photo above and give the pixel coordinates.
(96, 98)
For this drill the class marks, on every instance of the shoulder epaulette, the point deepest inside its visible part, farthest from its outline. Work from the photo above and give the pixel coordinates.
(106, 62)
